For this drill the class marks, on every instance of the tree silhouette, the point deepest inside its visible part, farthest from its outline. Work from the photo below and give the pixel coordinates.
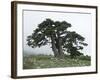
(56, 33)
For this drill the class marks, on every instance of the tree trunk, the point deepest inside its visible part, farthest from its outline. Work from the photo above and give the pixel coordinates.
(54, 46)
(60, 50)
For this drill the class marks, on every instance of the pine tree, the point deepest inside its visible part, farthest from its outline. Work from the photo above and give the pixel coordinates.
(56, 33)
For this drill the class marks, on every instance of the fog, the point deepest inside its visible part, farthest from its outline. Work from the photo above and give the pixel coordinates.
(81, 23)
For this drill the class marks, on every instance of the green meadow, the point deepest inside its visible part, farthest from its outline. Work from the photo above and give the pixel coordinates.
(48, 61)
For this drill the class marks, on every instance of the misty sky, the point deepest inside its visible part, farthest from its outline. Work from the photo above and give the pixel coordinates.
(81, 23)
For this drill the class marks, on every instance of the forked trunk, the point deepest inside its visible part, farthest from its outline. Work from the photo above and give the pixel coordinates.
(57, 47)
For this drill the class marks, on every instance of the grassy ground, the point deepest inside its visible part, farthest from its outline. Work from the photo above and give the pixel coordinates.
(48, 61)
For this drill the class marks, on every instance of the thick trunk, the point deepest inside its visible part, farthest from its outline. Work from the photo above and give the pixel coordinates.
(54, 46)
(59, 45)
(60, 50)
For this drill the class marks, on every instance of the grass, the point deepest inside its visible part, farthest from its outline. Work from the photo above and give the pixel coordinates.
(48, 61)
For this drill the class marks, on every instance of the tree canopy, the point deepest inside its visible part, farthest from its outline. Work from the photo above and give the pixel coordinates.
(57, 34)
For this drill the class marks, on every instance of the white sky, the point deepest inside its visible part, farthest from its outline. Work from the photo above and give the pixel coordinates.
(81, 23)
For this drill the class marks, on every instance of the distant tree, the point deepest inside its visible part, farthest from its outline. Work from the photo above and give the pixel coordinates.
(56, 34)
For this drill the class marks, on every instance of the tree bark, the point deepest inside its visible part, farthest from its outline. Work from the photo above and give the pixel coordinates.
(57, 46)
(60, 50)
(54, 46)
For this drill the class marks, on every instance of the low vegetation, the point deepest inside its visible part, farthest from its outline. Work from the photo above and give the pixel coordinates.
(48, 61)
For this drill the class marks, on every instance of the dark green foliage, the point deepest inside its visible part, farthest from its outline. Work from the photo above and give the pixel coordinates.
(56, 34)
(72, 44)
